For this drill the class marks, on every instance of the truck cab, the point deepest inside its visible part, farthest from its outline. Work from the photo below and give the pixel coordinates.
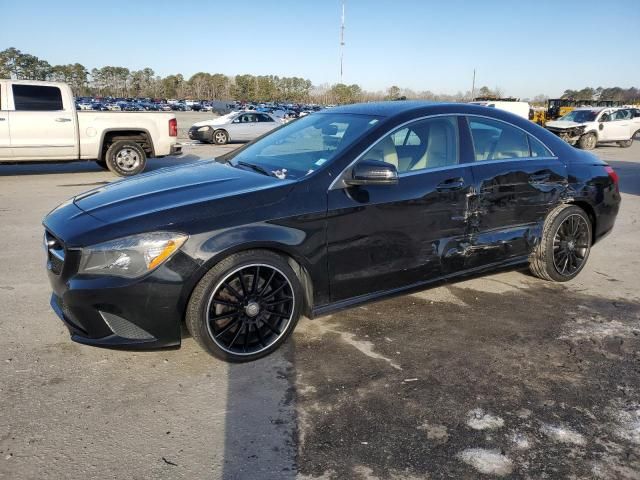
(39, 122)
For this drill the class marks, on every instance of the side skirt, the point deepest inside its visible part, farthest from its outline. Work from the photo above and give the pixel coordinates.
(370, 297)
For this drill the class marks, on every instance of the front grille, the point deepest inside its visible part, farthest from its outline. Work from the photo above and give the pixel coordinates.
(55, 253)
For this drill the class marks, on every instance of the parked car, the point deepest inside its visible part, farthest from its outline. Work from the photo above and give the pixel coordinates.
(237, 126)
(338, 208)
(39, 123)
(588, 126)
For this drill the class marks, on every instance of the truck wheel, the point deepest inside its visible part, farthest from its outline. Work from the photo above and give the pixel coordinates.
(246, 306)
(626, 143)
(565, 245)
(220, 137)
(125, 158)
(588, 141)
(102, 164)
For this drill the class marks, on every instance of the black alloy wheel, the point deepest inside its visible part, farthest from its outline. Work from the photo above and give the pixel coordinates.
(571, 245)
(250, 309)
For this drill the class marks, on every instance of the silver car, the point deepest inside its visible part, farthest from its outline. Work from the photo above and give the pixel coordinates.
(235, 126)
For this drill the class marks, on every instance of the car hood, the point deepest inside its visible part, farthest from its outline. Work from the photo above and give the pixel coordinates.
(563, 124)
(170, 189)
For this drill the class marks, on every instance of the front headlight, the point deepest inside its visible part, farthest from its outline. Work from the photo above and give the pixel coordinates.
(130, 257)
(203, 129)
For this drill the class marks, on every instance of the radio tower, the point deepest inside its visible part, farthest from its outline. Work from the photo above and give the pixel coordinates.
(342, 42)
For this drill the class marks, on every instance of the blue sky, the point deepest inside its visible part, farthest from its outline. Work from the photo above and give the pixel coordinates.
(525, 47)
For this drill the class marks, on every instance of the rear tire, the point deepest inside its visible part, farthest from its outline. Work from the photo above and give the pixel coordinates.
(588, 141)
(246, 306)
(125, 158)
(564, 246)
(220, 137)
(626, 143)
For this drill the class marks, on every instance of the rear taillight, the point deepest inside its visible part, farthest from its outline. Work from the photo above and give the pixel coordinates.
(173, 127)
(613, 176)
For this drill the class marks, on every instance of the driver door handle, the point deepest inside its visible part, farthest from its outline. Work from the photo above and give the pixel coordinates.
(450, 184)
(62, 119)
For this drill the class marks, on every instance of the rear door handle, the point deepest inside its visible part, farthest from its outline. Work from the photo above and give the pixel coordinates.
(2, 119)
(450, 184)
(62, 119)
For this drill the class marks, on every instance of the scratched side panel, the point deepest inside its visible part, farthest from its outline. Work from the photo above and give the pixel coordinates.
(511, 201)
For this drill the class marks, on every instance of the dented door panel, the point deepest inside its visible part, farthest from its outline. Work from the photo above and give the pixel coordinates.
(387, 236)
(510, 203)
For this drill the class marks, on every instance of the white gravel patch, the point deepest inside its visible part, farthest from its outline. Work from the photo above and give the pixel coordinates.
(563, 435)
(490, 462)
(520, 441)
(478, 419)
(584, 329)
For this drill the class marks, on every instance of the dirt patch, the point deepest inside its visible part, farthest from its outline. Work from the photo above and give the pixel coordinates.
(523, 382)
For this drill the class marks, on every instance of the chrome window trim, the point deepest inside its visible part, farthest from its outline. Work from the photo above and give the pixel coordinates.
(340, 177)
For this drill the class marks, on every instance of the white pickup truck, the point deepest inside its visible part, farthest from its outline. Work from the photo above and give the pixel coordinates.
(39, 123)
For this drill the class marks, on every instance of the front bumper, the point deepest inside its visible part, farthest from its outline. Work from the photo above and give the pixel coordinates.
(202, 136)
(569, 135)
(110, 311)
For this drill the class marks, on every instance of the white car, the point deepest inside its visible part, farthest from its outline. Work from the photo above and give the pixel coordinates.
(39, 123)
(586, 127)
(235, 126)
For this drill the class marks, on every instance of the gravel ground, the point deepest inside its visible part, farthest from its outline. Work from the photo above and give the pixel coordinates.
(499, 376)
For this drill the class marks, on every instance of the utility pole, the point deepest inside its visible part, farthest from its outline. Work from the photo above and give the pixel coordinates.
(342, 43)
(473, 85)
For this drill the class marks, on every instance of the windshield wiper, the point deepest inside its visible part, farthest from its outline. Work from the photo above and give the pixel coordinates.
(255, 168)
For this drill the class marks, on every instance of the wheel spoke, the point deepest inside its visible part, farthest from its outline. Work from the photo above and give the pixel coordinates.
(242, 286)
(233, 291)
(278, 302)
(227, 327)
(254, 283)
(233, 340)
(246, 337)
(260, 337)
(271, 327)
(224, 315)
(225, 303)
(272, 293)
(277, 314)
(268, 282)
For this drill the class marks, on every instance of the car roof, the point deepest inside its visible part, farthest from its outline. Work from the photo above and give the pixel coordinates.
(393, 108)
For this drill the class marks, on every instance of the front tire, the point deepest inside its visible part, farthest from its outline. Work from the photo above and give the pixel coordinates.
(220, 137)
(588, 141)
(246, 306)
(626, 143)
(125, 158)
(565, 245)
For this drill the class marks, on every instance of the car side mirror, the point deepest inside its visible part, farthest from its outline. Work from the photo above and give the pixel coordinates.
(372, 172)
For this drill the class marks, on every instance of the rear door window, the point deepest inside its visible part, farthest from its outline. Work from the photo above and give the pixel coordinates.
(493, 140)
(36, 98)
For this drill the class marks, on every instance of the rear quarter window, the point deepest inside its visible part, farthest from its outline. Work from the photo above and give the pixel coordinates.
(36, 98)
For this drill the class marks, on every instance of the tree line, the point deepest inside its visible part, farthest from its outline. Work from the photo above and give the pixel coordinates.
(122, 82)
(628, 95)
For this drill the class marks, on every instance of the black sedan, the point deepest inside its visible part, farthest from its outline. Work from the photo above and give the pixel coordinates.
(344, 206)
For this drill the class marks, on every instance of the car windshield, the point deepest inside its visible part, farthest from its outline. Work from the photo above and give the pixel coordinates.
(303, 146)
(579, 116)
